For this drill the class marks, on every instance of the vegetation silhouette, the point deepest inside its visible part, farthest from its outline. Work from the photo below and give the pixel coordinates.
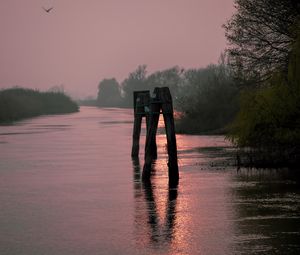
(19, 103)
(109, 94)
(260, 34)
(267, 127)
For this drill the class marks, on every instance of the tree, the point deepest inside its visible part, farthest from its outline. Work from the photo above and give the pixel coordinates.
(167, 78)
(109, 93)
(207, 99)
(269, 117)
(135, 81)
(260, 34)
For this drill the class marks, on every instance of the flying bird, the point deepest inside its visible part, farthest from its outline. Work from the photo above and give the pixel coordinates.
(48, 9)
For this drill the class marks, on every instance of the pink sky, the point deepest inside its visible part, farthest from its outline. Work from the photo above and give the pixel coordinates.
(81, 42)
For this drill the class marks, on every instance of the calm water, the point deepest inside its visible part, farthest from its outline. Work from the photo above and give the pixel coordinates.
(68, 186)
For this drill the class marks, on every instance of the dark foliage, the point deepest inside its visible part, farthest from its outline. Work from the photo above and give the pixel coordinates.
(260, 34)
(135, 81)
(19, 103)
(207, 100)
(109, 94)
(269, 119)
(112, 95)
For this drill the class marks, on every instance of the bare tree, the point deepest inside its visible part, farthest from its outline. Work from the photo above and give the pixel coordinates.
(260, 34)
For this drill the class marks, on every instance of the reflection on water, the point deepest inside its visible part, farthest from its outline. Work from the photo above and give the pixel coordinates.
(267, 206)
(160, 231)
(68, 186)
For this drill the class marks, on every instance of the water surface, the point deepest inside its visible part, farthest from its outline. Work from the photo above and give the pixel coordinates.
(68, 186)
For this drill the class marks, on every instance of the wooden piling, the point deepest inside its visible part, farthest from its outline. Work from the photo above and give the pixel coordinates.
(168, 114)
(161, 101)
(141, 102)
(150, 146)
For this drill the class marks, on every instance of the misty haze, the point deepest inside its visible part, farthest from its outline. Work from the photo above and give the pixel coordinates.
(149, 127)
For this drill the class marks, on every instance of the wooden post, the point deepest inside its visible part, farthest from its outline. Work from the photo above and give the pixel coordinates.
(136, 136)
(162, 100)
(150, 147)
(141, 101)
(167, 110)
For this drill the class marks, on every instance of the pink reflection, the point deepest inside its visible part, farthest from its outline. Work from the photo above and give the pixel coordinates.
(155, 217)
(66, 183)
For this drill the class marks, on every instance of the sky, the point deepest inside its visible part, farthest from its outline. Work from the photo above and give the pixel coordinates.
(80, 42)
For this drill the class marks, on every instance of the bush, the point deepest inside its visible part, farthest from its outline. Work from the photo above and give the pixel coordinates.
(19, 103)
(269, 117)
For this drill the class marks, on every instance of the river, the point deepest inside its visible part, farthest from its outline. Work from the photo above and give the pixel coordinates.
(68, 186)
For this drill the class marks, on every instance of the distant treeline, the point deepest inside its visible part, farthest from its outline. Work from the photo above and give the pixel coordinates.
(207, 98)
(18, 103)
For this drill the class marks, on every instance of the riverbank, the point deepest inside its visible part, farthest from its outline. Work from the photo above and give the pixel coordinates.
(20, 103)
